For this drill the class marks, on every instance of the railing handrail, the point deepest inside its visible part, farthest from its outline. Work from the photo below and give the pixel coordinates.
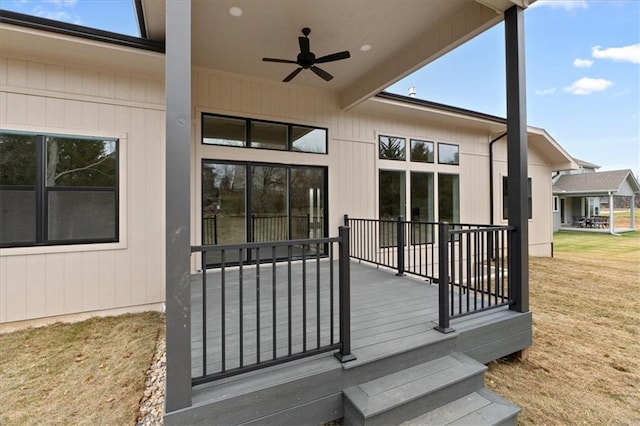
(263, 244)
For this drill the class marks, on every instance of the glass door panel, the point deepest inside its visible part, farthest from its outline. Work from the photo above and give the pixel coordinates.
(223, 206)
(269, 212)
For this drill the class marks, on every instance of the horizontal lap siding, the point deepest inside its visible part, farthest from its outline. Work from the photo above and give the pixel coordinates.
(51, 98)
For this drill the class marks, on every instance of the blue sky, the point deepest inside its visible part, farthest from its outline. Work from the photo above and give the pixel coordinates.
(582, 64)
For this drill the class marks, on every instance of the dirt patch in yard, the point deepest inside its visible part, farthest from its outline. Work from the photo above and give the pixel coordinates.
(584, 366)
(91, 372)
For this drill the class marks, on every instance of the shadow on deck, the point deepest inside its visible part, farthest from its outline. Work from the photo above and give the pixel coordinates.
(392, 326)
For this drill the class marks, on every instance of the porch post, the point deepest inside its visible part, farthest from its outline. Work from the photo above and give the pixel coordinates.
(611, 224)
(632, 211)
(178, 195)
(517, 157)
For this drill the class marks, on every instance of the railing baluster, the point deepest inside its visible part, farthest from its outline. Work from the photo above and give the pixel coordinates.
(273, 300)
(289, 256)
(204, 312)
(241, 307)
(331, 290)
(223, 324)
(318, 295)
(304, 299)
(258, 305)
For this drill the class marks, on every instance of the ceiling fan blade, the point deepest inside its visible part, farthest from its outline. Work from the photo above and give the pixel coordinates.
(293, 74)
(321, 73)
(333, 57)
(304, 45)
(284, 61)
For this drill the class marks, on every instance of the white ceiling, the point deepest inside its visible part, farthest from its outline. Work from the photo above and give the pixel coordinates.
(404, 35)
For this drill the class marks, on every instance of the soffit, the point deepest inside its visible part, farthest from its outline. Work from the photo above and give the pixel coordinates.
(404, 36)
(48, 47)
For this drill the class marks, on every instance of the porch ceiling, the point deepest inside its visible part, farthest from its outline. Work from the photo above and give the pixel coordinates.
(404, 36)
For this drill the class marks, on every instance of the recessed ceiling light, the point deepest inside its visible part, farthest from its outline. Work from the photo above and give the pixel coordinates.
(365, 47)
(235, 11)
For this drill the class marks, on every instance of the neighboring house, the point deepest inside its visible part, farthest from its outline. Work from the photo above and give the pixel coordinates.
(578, 195)
(122, 155)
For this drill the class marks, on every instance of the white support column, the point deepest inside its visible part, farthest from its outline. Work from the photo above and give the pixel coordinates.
(611, 228)
(632, 210)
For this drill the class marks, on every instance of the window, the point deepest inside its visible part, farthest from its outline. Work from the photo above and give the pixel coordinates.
(449, 198)
(243, 201)
(421, 206)
(391, 194)
(505, 198)
(448, 154)
(391, 148)
(556, 204)
(57, 189)
(421, 151)
(250, 133)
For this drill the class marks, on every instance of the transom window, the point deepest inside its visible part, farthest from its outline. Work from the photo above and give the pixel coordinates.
(448, 154)
(391, 148)
(421, 151)
(250, 133)
(57, 189)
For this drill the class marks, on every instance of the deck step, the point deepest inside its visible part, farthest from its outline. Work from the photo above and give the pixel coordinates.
(482, 407)
(424, 390)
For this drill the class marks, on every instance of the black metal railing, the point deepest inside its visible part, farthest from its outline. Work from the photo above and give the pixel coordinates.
(248, 317)
(472, 257)
(269, 228)
(377, 241)
(473, 267)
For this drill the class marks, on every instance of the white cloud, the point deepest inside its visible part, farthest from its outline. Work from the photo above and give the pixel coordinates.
(629, 53)
(56, 15)
(543, 92)
(61, 3)
(561, 4)
(587, 86)
(582, 63)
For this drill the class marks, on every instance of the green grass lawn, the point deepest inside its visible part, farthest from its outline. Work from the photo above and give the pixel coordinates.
(585, 243)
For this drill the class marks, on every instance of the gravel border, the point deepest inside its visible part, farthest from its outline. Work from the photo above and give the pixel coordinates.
(152, 403)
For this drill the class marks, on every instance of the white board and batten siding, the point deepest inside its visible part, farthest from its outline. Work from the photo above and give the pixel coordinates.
(46, 282)
(54, 281)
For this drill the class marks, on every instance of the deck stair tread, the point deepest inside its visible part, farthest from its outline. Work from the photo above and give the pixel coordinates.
(482, 407)
(448, 386)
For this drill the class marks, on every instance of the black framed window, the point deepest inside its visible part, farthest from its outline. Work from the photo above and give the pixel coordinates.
(505, 198)
(261, 134)
(421, 151)
(391, 148)
(449, 198)
(448, 154)
(254, 202)
(57, 189)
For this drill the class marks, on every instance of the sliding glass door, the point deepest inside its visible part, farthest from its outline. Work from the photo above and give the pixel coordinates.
(256, 202)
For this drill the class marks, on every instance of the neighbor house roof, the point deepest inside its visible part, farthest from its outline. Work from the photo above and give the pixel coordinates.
(586, 164)
(597, 183)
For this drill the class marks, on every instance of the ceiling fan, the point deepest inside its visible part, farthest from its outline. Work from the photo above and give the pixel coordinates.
(307, 60)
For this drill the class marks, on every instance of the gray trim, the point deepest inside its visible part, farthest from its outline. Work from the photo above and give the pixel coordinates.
(517, 156)
(178, 202)
(442, 107)
(42, 24)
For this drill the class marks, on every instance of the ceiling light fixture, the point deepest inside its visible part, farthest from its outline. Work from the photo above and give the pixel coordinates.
(365, 47)
(235, 11)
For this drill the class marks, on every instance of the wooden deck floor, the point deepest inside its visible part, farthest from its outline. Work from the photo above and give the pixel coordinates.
(385, 308)
(392, 320)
